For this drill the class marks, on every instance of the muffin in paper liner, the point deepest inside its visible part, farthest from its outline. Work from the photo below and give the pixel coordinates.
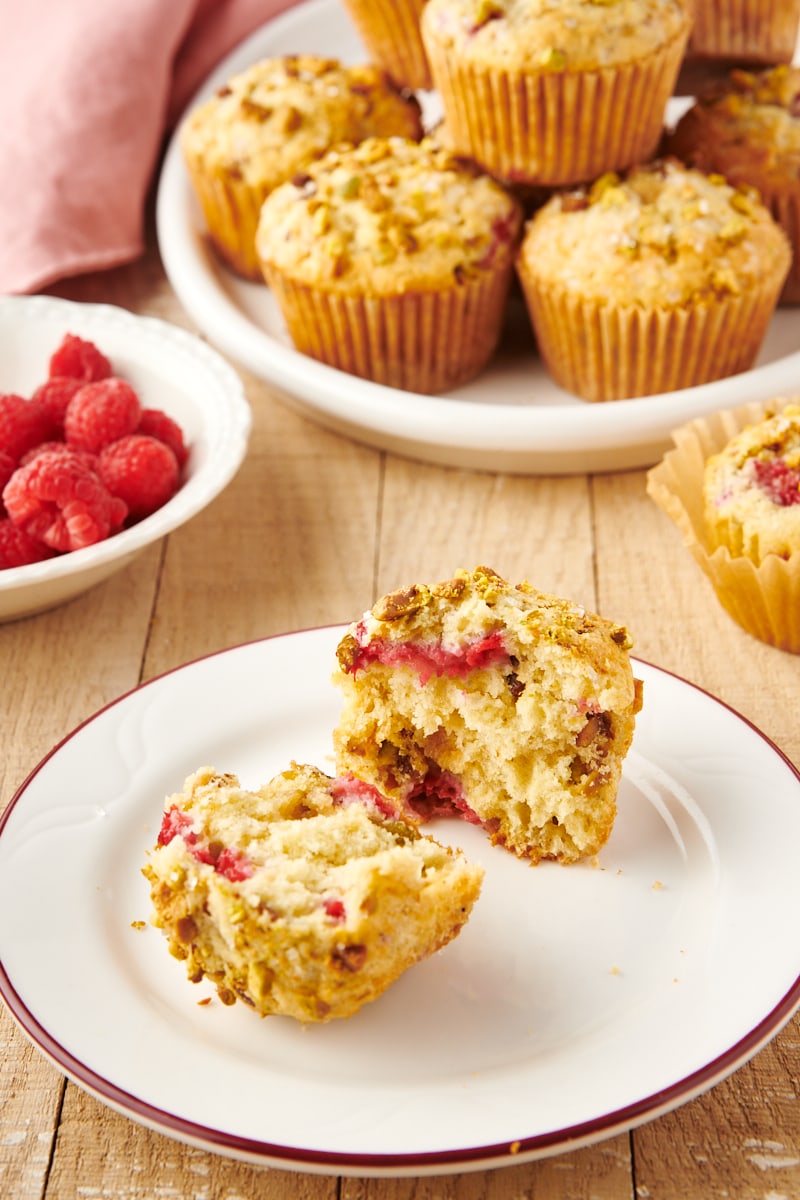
(745, 125)
(548, 127)
(660, 279)
(417, 341)
(390, 30)
(266, 124)
(605, 351)
(784, 204)
(763, 599)
(751, 30)
(393, 260)
(230, 208)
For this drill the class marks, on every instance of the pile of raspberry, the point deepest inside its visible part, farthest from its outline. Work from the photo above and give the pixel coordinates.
(81, 458)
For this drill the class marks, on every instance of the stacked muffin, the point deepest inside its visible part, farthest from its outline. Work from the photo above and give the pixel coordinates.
(746, 126)
(268, 123)
(754, 31)
(390, 29)
(541, 101)
(553, 94)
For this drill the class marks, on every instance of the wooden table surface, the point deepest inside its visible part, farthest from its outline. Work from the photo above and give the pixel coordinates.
(312, 529)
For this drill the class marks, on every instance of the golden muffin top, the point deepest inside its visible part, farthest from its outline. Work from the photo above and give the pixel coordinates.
(388, 215)
(662, 236)
(555, 35)
(270, 120)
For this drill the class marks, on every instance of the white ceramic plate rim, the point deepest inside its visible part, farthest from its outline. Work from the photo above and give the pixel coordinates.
(226, 408)
(557, 434)
(91, 1065)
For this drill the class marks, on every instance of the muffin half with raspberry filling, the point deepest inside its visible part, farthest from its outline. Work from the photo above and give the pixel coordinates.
(305, 898)
(500, 704)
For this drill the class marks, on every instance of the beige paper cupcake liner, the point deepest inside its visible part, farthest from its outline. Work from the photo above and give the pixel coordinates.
(784, 205)
(764, 600)
(231, 209)
(390, 31)
(424, 342)
(605, 352)
(555, 128)
(753, 30)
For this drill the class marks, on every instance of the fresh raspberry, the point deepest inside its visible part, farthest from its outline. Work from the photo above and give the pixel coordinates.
(140, 470)
(59, 500)
(157, 424)
(18, 548)
(780, 481)
(59, 448)
(80, 359)
(101, 413)
(23, 424)
(7, 469)
(55, 394)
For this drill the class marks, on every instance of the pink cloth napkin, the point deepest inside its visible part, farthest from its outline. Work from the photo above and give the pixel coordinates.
(88, 89)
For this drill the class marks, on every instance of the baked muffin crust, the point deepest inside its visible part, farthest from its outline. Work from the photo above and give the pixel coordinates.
(751, 489)
(555, 35)
(269, 120)
(265, 124)
(662, 236)
(387, 216)
(746, 126)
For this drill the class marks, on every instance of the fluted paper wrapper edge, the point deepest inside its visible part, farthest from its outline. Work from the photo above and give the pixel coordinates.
(764, 600)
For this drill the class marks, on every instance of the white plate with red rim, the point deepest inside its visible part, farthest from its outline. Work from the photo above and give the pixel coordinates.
(171, 369)
(512, 418)
(577, 1002)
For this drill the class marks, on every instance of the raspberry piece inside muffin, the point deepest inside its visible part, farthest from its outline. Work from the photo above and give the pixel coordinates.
(780, 481)
(499, 704)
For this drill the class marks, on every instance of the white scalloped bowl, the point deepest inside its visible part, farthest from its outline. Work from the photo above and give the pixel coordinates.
(171, 370)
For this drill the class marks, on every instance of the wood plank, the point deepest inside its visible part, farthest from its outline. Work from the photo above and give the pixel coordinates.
(436, 519)
(31, 1092)
(740, 1140)
(125, 1160)
(743, 1138)
(65, 665)
(288, 545)
(599, 1172)
(68, 663)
